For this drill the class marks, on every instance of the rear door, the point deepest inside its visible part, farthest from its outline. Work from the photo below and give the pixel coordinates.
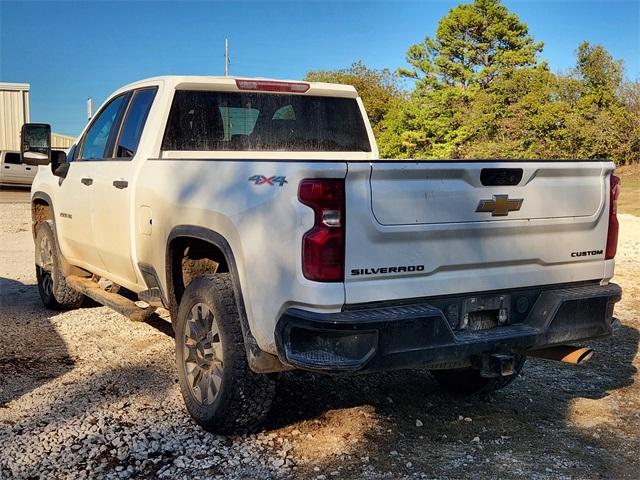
(438, 228)
(114, 182)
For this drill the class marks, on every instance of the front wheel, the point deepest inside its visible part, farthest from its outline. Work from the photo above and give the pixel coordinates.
(221, 393)
(469, 381)
(53, 288)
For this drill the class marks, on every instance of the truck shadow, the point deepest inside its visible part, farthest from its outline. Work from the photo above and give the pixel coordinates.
(31, 352)
(568, 414)
(574, 421)
(593, 380)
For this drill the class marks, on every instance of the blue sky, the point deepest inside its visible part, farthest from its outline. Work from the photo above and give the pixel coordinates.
(69, 51)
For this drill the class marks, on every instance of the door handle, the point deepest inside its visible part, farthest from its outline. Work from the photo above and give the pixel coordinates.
(87, 181)
(120, 184)
(7, 166)
(28, 168)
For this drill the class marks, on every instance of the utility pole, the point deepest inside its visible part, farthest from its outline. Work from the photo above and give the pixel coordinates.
(89, 108)
(226, 57)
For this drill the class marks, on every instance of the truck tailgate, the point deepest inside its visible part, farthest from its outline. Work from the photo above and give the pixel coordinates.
(439, 228)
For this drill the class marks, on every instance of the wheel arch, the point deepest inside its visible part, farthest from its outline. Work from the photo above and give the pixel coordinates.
(41, 210)
(181, 237)
(259, 361)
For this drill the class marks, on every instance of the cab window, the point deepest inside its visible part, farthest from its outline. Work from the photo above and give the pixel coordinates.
(96, 140)
(134, 123)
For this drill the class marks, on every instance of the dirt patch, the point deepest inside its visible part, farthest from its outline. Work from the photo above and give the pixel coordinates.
(86, 393)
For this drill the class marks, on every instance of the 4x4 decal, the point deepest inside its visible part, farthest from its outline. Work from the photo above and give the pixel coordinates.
(262, 180)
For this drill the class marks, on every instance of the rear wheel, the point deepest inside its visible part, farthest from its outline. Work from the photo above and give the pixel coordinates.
(220, 391)
(469, 381)
(53, 288)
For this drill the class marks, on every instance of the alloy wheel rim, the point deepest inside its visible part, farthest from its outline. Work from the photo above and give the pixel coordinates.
(203, 358)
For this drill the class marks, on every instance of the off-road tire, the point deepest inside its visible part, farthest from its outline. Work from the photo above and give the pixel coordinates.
(468, 381)
(52, 285)
(243, 398)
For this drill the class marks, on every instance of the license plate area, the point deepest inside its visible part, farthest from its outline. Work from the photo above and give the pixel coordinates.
(485, 312)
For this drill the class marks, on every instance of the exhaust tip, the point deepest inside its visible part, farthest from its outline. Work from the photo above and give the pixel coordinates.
(564, 353)
(579, 356)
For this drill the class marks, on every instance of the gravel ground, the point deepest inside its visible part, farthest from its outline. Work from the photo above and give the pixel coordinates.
(86, 393)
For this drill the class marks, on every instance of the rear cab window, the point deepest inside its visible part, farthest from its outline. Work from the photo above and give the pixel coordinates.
(241, 121)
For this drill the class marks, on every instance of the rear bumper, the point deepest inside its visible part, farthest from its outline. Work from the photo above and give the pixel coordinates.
(421, 335)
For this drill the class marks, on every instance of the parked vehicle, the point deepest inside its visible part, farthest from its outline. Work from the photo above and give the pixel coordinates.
(258, 213)
(13, 171)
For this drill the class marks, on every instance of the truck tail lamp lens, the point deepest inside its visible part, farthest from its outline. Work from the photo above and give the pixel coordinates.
(271, 86)
(612, 235)
(323, 245)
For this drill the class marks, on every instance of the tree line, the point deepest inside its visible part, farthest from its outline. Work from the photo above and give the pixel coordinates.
(480, 91)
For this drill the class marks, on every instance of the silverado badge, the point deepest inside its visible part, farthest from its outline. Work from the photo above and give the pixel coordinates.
(500, 206)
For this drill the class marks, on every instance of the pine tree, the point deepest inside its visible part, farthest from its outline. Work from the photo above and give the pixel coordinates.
(473, 44)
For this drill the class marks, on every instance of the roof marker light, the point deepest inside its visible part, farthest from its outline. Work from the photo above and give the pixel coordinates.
(272, 86)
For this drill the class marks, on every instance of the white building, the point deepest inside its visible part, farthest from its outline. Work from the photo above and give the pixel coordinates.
(14, 112)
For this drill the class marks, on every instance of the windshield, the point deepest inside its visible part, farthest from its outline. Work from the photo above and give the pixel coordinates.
(209, 121)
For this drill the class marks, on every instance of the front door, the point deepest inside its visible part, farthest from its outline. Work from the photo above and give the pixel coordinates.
(75, 203)
(73, 212)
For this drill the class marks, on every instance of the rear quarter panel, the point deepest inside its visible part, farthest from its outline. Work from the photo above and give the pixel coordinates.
(263, 225)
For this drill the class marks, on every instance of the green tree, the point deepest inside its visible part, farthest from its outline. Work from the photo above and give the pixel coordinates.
(599, 71)
(601, 125)
(473, 45)
(522, 115)
(379, 89)
(480, 93)
(528, 113)
(453, 112)
(427, 126)
(629, 94)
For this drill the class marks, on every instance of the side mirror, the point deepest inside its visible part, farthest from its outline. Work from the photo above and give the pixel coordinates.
(59, 165)
(35, 144)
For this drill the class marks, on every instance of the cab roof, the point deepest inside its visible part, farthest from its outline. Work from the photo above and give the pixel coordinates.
(221, 83)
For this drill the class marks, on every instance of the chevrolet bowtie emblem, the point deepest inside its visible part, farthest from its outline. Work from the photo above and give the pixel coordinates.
(500, 206)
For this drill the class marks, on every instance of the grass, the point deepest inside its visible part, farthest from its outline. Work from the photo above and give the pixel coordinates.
(629, 201)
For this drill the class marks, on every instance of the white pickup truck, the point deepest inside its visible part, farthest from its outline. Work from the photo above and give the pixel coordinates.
(258, 213)
(13, 172)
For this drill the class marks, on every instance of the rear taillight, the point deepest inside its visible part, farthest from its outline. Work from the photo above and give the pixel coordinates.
(612, 235)
(323, 245)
